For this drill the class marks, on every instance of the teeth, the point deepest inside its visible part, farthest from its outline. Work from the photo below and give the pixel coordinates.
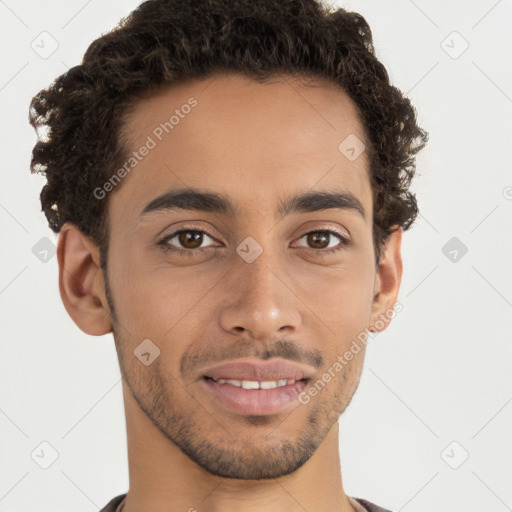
(254, 384)
(237, 383)
(250, 384)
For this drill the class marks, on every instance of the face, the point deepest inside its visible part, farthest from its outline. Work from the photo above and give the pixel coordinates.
(244, 273)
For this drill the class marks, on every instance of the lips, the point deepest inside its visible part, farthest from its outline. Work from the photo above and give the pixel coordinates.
(254, 387)
(256, 370)
(253, 401)
(255, 384)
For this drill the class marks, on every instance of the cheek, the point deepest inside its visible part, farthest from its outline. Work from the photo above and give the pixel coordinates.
(339, 310)
(340, 296)
(159, 302)
(137, 293)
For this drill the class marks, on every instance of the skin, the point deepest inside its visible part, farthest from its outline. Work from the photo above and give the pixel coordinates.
(258, 143)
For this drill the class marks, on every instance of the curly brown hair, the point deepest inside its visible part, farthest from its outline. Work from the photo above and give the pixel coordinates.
(166, 41)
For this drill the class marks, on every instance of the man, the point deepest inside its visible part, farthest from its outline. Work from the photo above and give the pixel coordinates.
(230, 181)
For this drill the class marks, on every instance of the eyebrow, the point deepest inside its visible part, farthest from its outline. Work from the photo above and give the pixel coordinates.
(205, 201)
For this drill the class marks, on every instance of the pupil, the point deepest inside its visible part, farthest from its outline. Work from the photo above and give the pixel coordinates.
(195, 239)
(313, 239)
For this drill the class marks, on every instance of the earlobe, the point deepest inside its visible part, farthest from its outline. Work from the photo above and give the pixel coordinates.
(387, 282)
(81, 282)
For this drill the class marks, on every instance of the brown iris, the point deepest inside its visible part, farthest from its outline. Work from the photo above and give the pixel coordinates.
(318, 237)
(195, 238)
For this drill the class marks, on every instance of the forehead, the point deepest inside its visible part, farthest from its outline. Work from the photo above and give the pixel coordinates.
(255, 142)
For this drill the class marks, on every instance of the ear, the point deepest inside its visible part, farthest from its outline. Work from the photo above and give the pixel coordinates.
(387, 282)
(81, 282)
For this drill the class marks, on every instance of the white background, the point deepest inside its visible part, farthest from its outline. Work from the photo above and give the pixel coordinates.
(440, 373)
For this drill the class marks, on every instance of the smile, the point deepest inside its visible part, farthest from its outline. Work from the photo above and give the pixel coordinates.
(252, 397)
(254, 384)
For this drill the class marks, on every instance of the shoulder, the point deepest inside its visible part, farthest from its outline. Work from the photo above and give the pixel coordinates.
(370, 507)
(112, 505)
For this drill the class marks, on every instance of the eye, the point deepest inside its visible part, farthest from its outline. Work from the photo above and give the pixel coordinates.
(322, 239)
(189, 241)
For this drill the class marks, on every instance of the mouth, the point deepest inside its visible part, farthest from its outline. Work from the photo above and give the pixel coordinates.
(254, 397)
(255, 384)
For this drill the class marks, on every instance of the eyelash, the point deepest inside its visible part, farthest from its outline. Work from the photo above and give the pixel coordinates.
(345, 242)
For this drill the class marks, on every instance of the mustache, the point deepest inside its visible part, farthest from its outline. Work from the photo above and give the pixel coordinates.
(283, 348)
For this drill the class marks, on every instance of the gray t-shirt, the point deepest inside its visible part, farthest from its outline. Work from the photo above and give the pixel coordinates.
(366, 505)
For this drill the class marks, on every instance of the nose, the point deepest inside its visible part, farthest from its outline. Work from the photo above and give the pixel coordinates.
(261, 301)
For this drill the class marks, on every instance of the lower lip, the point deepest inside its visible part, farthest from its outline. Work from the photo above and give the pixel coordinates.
(255, 401)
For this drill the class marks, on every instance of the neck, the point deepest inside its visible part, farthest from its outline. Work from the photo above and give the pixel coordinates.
(163, 478)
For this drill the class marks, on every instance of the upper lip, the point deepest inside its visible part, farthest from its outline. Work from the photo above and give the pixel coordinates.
(245, 369)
